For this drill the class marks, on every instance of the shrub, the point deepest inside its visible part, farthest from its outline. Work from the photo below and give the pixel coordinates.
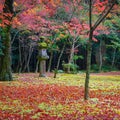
(73, 67)
(95, 68)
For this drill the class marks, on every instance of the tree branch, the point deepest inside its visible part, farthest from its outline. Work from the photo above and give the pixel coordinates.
(100, 19)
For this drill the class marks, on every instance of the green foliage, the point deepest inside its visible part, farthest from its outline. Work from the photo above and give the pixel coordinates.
(113, 23)
(115, 43)
(107, 68)
(25, 32)
(52, 46)
(95, 68)
(42, 45)
(73, 67)
(117, 20)
(112, 50)
(60, 71)
(108, 23)
(1, 51)
(76, 57)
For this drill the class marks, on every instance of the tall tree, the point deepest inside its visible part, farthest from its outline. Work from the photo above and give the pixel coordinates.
(5, 60)
(6, 16)
(103, 15)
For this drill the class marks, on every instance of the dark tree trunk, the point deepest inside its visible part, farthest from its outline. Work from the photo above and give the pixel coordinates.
(5, 62)
(113, 57)
(50, 61)
(28, 57)
(58, 63)
(89, 51)
(59, 58)
(20, 58)
(71, 57)
(101, 57)
(5, 65)
(89, 45)
(37, 64)
(100, 53)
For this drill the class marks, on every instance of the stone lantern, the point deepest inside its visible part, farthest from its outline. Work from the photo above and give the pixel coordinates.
(42, 56)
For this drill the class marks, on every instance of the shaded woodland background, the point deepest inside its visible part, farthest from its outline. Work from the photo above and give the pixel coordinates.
(63, 25)
(25, 52)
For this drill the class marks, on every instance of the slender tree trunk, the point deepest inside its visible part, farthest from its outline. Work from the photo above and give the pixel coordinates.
(26, 54)
(89, 45)
(100, 58)
(5, 62)
(37, 64)
(89, 51)
(72, 53)
(20, 59)
(59, 58)
(113, 58)
(13, 39)
(58, 63)
(23, 57)
(29, 57)
(50, 61)
(88, 66)
(71, 56)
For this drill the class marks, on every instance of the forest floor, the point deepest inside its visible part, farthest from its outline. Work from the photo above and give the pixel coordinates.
(29, 97)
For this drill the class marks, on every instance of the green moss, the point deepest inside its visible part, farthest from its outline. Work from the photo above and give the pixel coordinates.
(42, 45)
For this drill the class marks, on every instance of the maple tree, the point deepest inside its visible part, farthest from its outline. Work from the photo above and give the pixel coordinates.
(105, 12)
(24, 11)
(72, 17)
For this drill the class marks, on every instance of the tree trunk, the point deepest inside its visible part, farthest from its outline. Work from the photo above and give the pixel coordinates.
(5, 62)
(113, 58)
(58, 63)
(20, 59)
(28, 59)
(5, 65)
(89, 45)
(37, 64)
(50, 61)
(59, 58)
(88, 65)
(71, 57)
(26, 54)
(101, 58)
(100, 53)
(89, 51)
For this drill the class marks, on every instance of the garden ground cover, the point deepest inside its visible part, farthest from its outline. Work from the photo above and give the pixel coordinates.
(29, 97)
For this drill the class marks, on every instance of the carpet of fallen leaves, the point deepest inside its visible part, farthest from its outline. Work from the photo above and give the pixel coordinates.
(29, 97)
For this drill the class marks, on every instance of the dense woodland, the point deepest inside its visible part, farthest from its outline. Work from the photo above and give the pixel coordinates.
(63, 25)
(82, 40)
(75, 32)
